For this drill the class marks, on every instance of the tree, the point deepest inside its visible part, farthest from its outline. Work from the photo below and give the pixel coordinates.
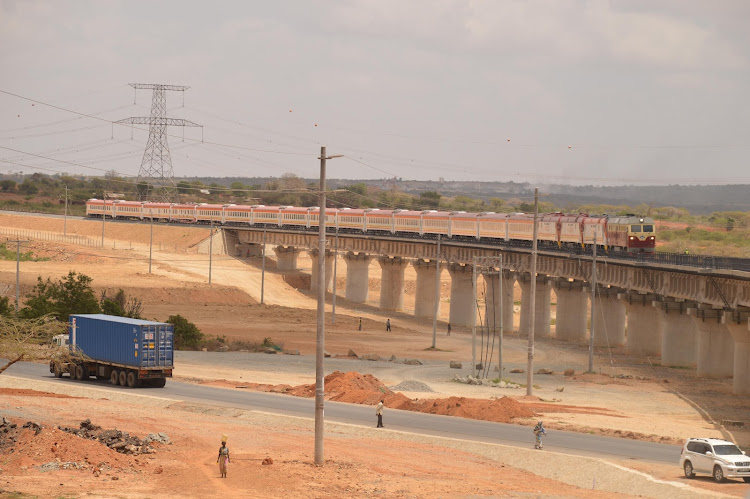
(187, 336)
(28, 187)
(70, 295)
(7, 185)
(121, 305)
(431, 199)
(5, 306)
(27, 338)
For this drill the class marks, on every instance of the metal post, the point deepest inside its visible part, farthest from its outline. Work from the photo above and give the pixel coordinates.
(500, 293)
(210, 251)
(335, 261)
(263, 268)
(593, 307)
(151, 241)
(532, 301)
(104, 215)
(320, 334)
(474, 314)
(65, 225)
(437, 294)
(18, 268)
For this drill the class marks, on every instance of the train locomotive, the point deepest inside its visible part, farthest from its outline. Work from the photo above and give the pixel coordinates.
(629, 233)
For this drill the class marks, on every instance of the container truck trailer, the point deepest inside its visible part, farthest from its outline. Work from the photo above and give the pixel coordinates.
(128, 352)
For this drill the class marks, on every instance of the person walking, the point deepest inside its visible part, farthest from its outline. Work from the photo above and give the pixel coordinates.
(538, 432)
(388, 325)
(360, 323)
(449, 329)
(223, 458)
(379, 413)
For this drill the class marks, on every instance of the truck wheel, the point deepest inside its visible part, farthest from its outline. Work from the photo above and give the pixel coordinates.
(58, 371)
(132, 379)
(79, 372)
(114, 377)
(123, 378)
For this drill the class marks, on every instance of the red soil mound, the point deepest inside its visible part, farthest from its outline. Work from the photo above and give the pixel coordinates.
(33, 393)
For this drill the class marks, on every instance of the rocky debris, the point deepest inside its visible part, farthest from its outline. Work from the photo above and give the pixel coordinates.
(413, 362)
(54, 466)
(479, 367)
(159, 470)
(517, 371)
(371, 356)
(456, 365)
(352, 354)
(267, 461)
(544, 371)
(471, 380)
(411, 385)
(293, 352)
(117, 440)
(629, 376)
(33, 426)
(326, 353)
(269, 350)
(6, 426)
(561, 389)
(393, 358)
(223, 348)
(569, 372)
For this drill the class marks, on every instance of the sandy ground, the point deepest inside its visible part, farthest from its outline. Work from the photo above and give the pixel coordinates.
(642, 400)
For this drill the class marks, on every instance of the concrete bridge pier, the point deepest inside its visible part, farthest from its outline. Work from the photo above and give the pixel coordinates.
(739, 327)
(392, 282)
(542, 306)
(329, 270)
(644, 324)
(678, 335)
(424, 301)
(463, 300)
(572, 307)
(715, 346)
(286, 257)
(357, 276)
(492, 301)
(609, 318)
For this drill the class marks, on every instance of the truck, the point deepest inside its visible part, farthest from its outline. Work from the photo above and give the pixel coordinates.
(129, 352)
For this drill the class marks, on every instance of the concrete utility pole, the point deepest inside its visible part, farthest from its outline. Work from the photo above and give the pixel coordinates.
(500, 325)
(104, 214)
(263, 268)
(474, 314)
(151, 240)
(320, 334)
(437, 294)
(335, 261)
(593, 307)
(210, 250)
(18, 266)
(532, 301)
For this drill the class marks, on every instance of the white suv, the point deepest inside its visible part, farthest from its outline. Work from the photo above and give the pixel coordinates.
(720, 458)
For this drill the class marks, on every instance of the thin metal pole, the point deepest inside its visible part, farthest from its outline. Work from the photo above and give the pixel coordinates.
(500, 293)
(437, 294)
(532, 301)
(335, 261)
(320, 333)
(263, 268)
(65, 226)
(210, 251)
(593, 307)
(151, 241)
(474, 313)
(104, 215)
(18, 268)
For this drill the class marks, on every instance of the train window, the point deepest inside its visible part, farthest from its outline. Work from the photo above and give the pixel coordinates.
(648, 228)
(635, 228)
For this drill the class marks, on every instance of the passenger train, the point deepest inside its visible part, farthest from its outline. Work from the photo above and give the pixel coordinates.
(626, 233)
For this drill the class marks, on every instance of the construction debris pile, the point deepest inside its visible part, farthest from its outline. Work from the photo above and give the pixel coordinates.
(117, 440)
(471, 380)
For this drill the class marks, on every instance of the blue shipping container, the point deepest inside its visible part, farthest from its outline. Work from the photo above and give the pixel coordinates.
(121, 340)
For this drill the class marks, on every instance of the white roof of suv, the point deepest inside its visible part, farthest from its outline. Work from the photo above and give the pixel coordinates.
(712, 441)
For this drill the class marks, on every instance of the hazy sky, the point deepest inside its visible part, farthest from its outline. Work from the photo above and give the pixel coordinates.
(608, 92)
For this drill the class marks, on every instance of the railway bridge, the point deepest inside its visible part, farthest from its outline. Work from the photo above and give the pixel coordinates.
(689, 316)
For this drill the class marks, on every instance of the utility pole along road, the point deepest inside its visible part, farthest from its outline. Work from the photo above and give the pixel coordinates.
(405, 421)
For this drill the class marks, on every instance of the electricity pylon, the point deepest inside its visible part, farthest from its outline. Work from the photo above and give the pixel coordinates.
(156, 166)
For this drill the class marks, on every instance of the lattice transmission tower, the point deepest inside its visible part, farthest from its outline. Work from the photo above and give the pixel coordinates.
(156, 166)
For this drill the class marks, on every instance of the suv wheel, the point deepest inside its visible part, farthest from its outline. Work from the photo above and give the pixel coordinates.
(718, 474)
(688, 467)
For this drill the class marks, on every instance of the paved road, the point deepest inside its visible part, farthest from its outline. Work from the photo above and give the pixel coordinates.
(425, 424)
